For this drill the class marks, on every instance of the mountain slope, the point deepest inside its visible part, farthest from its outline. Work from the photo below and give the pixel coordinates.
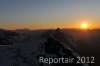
(47, 45)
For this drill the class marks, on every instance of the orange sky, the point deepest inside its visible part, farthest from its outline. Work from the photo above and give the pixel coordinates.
(44, 14)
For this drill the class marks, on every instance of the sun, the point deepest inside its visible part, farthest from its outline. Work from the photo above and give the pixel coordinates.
(84, 25)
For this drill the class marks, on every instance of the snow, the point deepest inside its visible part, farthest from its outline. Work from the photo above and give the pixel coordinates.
(26, 53)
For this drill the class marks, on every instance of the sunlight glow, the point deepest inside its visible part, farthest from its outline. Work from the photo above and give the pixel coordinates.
(84, 25)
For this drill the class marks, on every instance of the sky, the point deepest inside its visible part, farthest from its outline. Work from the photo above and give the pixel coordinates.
(44, 14)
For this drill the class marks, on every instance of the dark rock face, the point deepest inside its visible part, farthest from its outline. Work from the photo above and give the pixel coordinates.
(52, 46)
